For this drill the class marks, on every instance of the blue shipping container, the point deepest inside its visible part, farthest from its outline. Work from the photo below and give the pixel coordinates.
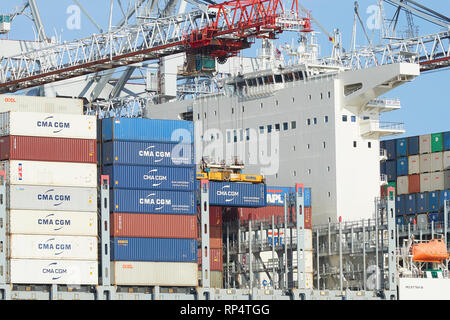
(391, 170)
(421, 202)
(445, 195)
(435, 217)
(410, 203)
(402, 147)
(413, 145)
(402, 166)
(275, 195)
(141, 129)
(157, 178)
(153, 201)
(148, 154)
(433, 201)
(446, 140)
(410, 219)
(391, 147)
(153, 249)
(400, 220)
(400, 205)
(237, 194)
(383, 167)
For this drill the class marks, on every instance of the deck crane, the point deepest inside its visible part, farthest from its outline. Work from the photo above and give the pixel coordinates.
(220, 31)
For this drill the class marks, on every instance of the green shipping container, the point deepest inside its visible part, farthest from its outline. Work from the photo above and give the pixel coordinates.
(436, 142)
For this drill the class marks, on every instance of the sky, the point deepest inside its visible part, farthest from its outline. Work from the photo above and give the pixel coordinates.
(425, 101)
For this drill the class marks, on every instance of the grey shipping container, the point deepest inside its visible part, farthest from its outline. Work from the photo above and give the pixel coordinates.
(437, 163)
(425, 143)
(425, 182)
(437, 181)
(422, 221)
(402, 185)
(414, 164)
(446, 160)
(425, 163)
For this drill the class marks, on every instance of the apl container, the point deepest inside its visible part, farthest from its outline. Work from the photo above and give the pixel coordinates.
(446, 140)
(400, 205)
(433, 201)
(425, 163)
(141, 129)
(153, 201)
(402, 185)
(40, 104)
(51, 198)
(48, 149)
(437, 162)
(147, 154)
(402, 147)
(153, 249)
(391, 148)
(414, 183)
(167, 274)
(237, 194)
(436, 142)
(153, 225)
(414, 164)
(421, 201)
(402, 166)
(55, 125)
(53, 222)
(425, 143)
(69, 272)
(145, 177)
(413, 145)
(410, 204)
(275, 195)
(425, 182)
(53, 247)
(391, 170)
(50, 173)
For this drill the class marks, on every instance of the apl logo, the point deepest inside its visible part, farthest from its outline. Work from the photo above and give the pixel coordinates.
(149, 152)
(229, 194)
(49, 196)
(150, 200)
(152, 175)
(274, 198)
(56, 272)
(58, 125)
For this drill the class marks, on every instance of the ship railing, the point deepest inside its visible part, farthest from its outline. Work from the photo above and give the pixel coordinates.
(391, 125)
(384, 179)
(385, 102)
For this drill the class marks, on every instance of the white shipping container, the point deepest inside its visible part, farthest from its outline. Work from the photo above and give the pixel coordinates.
(53, 222)
(40, 104)
(437, 163)
(413, 164)
(55, 125)
(425, 143)
(402, 185)
(425, 182)
(52, 247)
(437, 181)
(68, 174)
(446, 160)
(69, 272)
(425, 163)
(180, 274)
(51, 198)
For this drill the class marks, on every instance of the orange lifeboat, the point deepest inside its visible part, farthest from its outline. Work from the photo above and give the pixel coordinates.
(433, 251)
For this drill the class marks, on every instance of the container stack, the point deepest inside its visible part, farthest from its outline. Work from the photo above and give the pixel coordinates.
(51, 174)
(419, 168)
(152, 201)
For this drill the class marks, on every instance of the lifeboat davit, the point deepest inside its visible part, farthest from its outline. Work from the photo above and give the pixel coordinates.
(433, 251)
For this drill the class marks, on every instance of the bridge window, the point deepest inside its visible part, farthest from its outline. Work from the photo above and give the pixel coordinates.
(278, 78)
(261, 129)
(293, 124)
(285, 126)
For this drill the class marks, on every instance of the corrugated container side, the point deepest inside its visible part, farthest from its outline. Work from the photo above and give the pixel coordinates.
(414, 164)
(53, 247)
(421, 200)
(48, 149)
(413, 145)
(147, 154)
(422, 221)
(215, 260)
(414, 183)
(153, 249)
(170, 274)
(391, 170)
(53, 222)
(410, 203)
(425, 143)
(402, 185)
(402, 166)
(402, 147)
(446, 140)
(65, 174)
(145, 177)
(215, 237)
(446, 160)
(437, 161)
(444, 195)
(433, 201)
(141, 129)
(237, 194)
(153, 201)
(69, 272)
(153, 225)
(437, 181)
(215, 216)
(436, 142)
(216, 279)
(55, 125)
(447, 179)
(425, 163)
(40, 104)
(391, 147)
(51, 198)
(400, 205)
(425, 182)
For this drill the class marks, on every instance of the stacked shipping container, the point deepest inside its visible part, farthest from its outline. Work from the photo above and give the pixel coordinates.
(153, 218)
(50, 166)
(419, 168)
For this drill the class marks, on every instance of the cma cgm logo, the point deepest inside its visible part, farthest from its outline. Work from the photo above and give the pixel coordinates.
(151, 200)
(226, 192)
(59, 247)
(49, 195)
(50, 220)
(54, 270)
(150, 152)
(49, 123)
(152, 175)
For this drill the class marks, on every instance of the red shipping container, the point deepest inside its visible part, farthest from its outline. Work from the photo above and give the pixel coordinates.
(216, 259)
(143, 225)
(215, 237)
(48, 149)
(215, 215)
(414, 183)
(383, 192)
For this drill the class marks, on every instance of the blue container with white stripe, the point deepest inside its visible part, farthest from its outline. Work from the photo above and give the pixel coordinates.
(402, 147)
(153, 201)
(410, 203)
(153, 249)
(148, 154)
(402, 166)
(153, 130)
(146, 177)
(237, 194)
